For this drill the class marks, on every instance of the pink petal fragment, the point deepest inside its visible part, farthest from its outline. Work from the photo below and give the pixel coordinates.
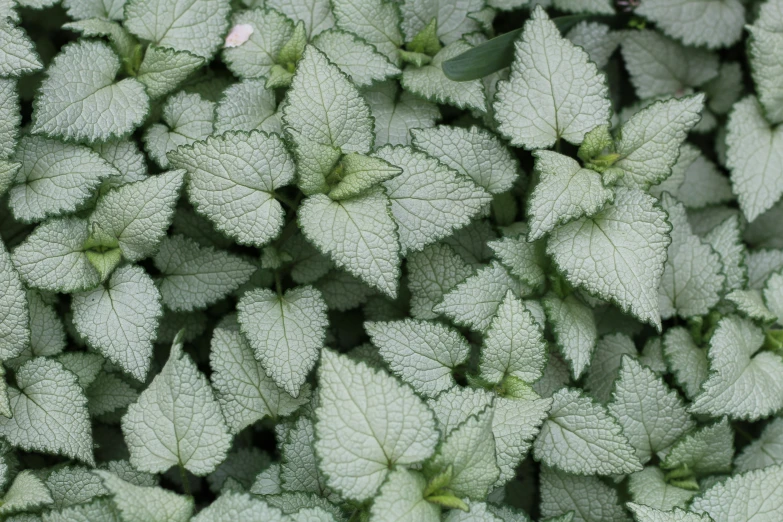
(239, 34)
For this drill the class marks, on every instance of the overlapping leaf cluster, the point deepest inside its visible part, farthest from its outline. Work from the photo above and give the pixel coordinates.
(267, 261)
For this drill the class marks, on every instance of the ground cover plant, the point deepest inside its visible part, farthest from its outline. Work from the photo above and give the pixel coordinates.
(367, 260)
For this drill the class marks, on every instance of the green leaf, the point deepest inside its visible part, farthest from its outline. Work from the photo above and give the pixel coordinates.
(514, 344)
(396, 113)
(359, 234)
(635, 231)
(574, 328)
(751, 304)
(540, 103)
(10, 120)
(299, 468)
(452, 19)
(765, 64)
(423, 354)
(761, 265)
(81, 9)
(231, 507)
(243, 388)
(472, 152)
(286, 332)
(175, 23)
(401, 496)
(696, 23)
(773, 295)
(123, 42)
(355, 57)
(648, 514)
(742, 383)
(649, 144)
(84, 365)
(589, 499)
(14, 316)
(660, 66)
(703, 185)
(246, 106)
(359, 173)
(186, 118)
(430, 82)
(109, 393)
(137, 215)
(693, 278)
(581, 437)
(754, 157)
(359, 440)
(605, 365)
(685, 360)
(255, 58)
(146, 504)
(652, 416)
(588, 6)
(49, 398)
(17, 52)
(53, 257)
(26, 493)
(235, 188)
(521, 258)
(72, 485)
(649, 487)
(431, 274)
(707, 450)
(765, 451)
(565, 192)
(376, 21)
(316, 14)
(595, 38)
(163, 69)
(176, 421)
(47, 336)
(754, 496)
(194, 276)
(428, 199)
(100, 509)
(89, 105)
(120, 318)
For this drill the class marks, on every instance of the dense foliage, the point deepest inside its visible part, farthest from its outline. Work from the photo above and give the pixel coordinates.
(355, 260)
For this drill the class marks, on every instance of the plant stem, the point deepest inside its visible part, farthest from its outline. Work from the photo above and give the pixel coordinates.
(183, 475)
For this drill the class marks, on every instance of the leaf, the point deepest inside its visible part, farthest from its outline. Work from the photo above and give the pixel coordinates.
(182, 25)
(88, 105)
(299, 469)
(754, 496)
(100, 509)
(382, 424)
(765, 451)
(286, 332)
(452, 18)
(359, 234)
(246, 106)
(375, 21)
(754, 158)
(120, 318)
(422, 354)
(514, 344)
(685, 360)
(477, 512)
(49, 412)
(342, 291)
(773, 295)
(652, 416)
(146, 504)
(84, 365)
(316, 14)
(751, 304)
(605, 365)
(120, 39)
(710, 24)
(396, 113)
(47, 336)
(73, 485)
(541, 102)
(475, 301)
(726, 239)
(109, 393)
(649, 487)
(356, 58)
(693, 278)
(53, 257)
(401, 499)
(588, 498)
(660, 66)
(707, 450)
(595, 38)
(323, 107)
(469, 451)
(565, 192)
(589, 6)
(359, 174)
(432, 273)
(761, 265)
(255, 58)
(741, 384)
(515, 424)
(242, 387)
(430, 82)
(634, 231)
(194, 276)
(163, 69)
(649, 144)
(26, 493)
(704, 185)
(17, 52)
(521, 258)
(574, 328)
(648, 514)
(186, 118)
(472, 152)
(235, 188)
(14, 315)
(581, 437)
(428, 200)
(176, 421)
(766, 38)
(138, 214)
(110, 9)
(241, 467)
(238, 506)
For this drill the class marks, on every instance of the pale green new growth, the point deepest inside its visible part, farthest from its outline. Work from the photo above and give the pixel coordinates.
(554, 91)
(143, 504)
(358, 440)
(361, 173)
(754, 496)
(649, 487)
(176, 421)
(286, 332)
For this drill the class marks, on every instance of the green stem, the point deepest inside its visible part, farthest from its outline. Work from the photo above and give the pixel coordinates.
(183, 475)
